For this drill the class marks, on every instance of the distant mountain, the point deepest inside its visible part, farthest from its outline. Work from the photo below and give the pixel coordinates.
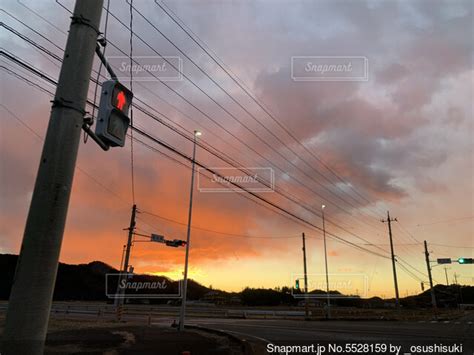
(87, 282)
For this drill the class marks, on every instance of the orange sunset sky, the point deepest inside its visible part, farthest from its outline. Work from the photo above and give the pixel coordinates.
(403, 140)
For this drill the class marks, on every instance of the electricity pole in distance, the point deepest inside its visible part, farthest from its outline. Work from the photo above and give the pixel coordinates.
(123, 274)
(33, 285)
(328, 301)
(428, 266)
(389, 221)
(306, 304)
(446, 275)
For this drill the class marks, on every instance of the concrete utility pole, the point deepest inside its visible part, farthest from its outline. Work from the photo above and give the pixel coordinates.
(33, 285)
(131, 229)
(306, 304)
(446, 275)
(428, 266)
(455, 278)
(328, 300)
(395, 280)
(188, 236)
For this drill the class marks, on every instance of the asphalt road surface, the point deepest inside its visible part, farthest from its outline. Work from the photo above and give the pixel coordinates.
(352, 335)
(344, 337)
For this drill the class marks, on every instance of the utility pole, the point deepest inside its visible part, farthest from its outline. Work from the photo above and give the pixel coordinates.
(389, 221)
(433, 295)
(33, 285)
(328, 301)
(123, 273)
(306, 304)
(446, 274)
(188, 237)
(455, 278)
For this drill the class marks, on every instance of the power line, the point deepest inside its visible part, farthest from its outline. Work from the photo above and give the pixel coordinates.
(270, 203)
(407, 233)
(400, 260)
(410, 273)
(446, 221)
(253, 194)
(146, 212)
(236, 119)
(218, 232)
(453, 246)
(247, 112)
(299, 203)
(31, 130)
(191, 104)
(238, 81)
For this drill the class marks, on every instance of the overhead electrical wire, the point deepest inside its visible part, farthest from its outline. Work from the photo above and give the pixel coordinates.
(269, 203)
(235, 118)
(124, 53)
(316, 213)
(239, 83)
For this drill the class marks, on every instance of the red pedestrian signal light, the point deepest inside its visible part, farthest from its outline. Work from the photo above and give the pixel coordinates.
(112, 119)
(121, 100)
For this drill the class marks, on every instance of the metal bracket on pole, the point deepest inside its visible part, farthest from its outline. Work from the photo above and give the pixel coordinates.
(86, 127)
(104, 61)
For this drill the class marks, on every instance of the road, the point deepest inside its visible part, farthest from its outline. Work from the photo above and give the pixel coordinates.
(284, 332)
(405, 334)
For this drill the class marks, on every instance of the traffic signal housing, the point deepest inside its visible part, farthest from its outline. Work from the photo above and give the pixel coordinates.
(297, 284)
(175, 243)
(465, 260)
(112, 120)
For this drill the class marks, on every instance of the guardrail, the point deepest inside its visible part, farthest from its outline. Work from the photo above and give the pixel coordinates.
(156, 311)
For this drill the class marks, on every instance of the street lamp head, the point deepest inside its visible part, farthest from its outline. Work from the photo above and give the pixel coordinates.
(323, 206)
(197, 133)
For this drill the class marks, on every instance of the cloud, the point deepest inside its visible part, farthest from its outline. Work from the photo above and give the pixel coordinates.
(396, 138)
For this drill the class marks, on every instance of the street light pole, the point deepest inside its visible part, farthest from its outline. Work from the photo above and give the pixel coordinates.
(328, 313)
(188, 236)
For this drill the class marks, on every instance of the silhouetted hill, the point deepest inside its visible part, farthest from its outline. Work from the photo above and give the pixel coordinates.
(86, 282)
(446, 296)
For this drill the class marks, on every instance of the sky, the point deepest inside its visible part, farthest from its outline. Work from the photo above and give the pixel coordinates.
(401, 139)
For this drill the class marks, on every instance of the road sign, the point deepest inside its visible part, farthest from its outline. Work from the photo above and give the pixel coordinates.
(157, 238)
(444, 261)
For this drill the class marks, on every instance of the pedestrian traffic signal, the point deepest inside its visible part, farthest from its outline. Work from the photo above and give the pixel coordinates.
(465, 260)
(113, 120)
(297, 284)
